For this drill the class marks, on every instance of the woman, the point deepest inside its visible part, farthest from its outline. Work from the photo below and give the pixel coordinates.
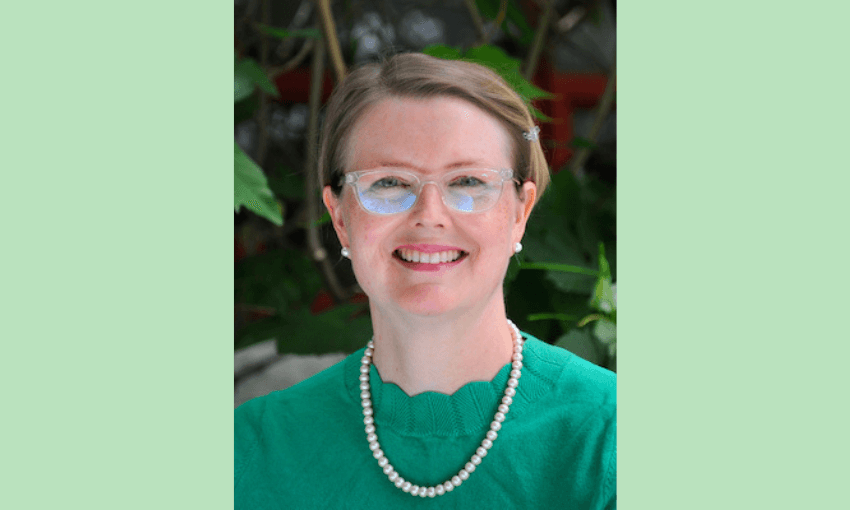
(431, 169)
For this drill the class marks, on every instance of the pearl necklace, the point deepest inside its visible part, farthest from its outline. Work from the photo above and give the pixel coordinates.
(480, 453)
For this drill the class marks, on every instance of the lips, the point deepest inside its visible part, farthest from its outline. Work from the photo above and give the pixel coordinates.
(429, 256)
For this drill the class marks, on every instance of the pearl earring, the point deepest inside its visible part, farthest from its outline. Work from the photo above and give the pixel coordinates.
(517, 247)
(346, 252)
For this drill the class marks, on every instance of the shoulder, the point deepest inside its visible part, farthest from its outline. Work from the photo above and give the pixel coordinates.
(569, 393)
(270, 422)
(569, 374)
(326, 387)
(572, 403)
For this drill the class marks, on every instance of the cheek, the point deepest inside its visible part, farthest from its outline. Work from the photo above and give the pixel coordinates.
(356, 223)
(501, 223)
(366, 231)
(370, 238)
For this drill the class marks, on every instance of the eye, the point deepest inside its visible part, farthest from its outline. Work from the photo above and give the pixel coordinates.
(467, 181)
(388, 182)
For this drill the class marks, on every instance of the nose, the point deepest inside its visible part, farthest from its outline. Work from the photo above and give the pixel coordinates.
(429, 209)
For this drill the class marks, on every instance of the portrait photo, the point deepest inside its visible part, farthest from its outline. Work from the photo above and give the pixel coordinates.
(425, 254)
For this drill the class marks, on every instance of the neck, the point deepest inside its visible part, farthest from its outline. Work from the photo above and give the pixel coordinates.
(440, 353)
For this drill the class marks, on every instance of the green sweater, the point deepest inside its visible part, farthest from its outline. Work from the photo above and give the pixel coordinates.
(305, 447)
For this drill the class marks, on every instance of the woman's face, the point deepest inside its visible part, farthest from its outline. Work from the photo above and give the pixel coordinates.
(430, 137)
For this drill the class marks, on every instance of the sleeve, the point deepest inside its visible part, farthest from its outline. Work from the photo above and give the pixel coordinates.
(245, 441)
(610, 484)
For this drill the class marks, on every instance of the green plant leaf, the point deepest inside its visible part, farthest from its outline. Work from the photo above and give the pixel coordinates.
(538, 114)
(563, 268)
(251, 189)
(581, 343)
(256, 332)
(496, 59)
(550, 317)
(583, 143)
(503, 64)
(556, 253)
(604, 267)
(529, 293)
(527, 89)
(563, 200)
(282, 279)
(588, 319)
(516, 16)
(242, 87)
(442, 51)
(326, 218)
(603, 296)
(287, 184)
(490, 10)
(605, 330)
(249, 69)
(244, 109)
(345, 328)
(342, 329)
(566, 230)
(309, 33)
(614, 292)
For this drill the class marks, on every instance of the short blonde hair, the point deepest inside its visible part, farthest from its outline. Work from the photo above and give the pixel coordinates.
(419, 76)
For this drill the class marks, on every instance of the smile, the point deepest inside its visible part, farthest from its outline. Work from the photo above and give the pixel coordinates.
(408, 255)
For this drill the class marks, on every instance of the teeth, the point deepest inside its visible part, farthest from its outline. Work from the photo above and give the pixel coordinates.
(429, 258)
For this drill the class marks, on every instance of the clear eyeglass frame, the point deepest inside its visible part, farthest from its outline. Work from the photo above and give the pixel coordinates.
(416, 184)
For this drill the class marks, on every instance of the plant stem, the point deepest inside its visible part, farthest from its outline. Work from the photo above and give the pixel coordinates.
(476, 20)
(605, 104)
(500, 18)
(246, 16)
(331, 41)
(294, 61)
(589, 318)
(550, 316)
(564, 268)
(539, 37)
(263, 114)
(317, 251)
(571, 20)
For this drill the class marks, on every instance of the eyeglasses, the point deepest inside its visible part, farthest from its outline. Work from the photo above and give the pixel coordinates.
(392, 190)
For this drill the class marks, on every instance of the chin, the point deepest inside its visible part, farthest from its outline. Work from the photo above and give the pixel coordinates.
(427, 302)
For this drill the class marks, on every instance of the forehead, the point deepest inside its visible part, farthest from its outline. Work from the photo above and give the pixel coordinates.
(427, 135)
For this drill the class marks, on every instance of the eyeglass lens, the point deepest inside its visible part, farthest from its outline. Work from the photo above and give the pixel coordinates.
(394, 191)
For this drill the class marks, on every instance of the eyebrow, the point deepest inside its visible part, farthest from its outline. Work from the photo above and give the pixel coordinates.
(456, 164)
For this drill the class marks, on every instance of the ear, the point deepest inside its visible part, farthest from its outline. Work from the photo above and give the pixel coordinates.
(334, 203)
(527, 195)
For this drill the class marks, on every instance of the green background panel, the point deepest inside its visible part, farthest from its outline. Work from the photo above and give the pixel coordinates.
(731, 240)
(118, 268)
(117, 289)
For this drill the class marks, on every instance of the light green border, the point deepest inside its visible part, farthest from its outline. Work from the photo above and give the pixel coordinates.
(732, 240)
(117, 229)
(117, 239)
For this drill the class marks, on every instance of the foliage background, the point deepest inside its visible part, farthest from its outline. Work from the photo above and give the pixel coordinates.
(290, 283)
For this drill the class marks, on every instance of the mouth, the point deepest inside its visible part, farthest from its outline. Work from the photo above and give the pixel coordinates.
(421, 260)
